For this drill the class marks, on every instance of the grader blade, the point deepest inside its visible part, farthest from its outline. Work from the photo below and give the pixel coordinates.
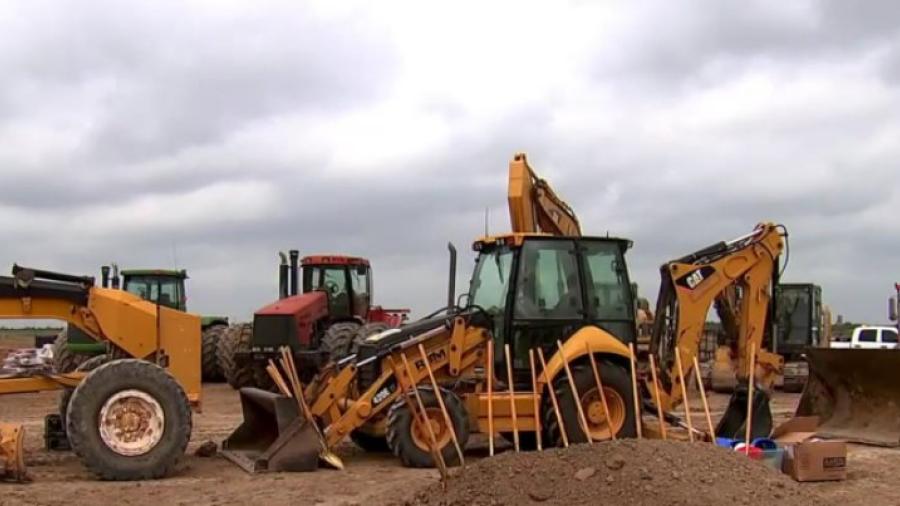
(12, 458)
(855, 395)
(272, 437)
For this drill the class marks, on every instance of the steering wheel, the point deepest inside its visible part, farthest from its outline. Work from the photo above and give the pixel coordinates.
(332, 287)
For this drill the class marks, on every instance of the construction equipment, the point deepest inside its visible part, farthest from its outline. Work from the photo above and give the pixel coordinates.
(325, 321)
(130, 418)
(853, 391)
(165, 287)
(738, 277)
(802, 321)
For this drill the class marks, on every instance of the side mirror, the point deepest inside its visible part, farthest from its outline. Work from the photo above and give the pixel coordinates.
(892, 309)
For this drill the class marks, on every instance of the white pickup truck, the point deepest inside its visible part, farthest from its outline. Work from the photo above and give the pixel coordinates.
(869, 337)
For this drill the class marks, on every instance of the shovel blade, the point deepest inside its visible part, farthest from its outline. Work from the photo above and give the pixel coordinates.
(272, 437)
(12, 456)
(733, 424)
(855, 394)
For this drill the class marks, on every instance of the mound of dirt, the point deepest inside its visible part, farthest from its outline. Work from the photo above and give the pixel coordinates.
(646, 472)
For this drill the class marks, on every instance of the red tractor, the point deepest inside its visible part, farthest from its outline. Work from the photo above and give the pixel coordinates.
(326, 322)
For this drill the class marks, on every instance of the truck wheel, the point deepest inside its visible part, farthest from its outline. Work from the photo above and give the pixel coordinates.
(408, 438)
(369, 329)
(616, 388)
(338, 340)
(239, 374)
(64, 359)
(211, 371)
(129, 420)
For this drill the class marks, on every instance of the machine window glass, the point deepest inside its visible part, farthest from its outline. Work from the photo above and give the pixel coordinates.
(609, 294)
(165, 291)
(548, 284)
(490, 281)
(359, 282)
(889, 336)
(868, 336)
(334, 281)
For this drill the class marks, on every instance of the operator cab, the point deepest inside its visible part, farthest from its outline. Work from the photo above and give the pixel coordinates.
(347, 282)
(541, 288)
(163, 287)
(799, 317)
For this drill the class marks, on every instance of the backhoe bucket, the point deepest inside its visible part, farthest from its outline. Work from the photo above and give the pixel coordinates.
(733, 424)
(855, 394)
(12, 458)
(272, 437)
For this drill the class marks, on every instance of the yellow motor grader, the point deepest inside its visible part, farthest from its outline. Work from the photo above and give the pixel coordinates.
(129, 418)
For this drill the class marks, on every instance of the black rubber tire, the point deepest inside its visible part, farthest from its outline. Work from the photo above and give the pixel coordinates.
(66, 394)
(235, 340)
(612, 375)
(211, 370)
(82, 424)
(400, 423)
(365, 331)
(338, 339)
(64, 359)
(369, 442)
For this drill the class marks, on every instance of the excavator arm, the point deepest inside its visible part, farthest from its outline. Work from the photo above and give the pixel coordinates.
(737, 276)
(534, 206)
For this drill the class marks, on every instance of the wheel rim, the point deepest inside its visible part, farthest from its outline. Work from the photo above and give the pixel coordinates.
(131, 423)
(598, 425)
(419, 431)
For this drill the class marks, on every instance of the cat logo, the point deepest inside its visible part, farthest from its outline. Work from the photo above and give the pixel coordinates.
(693, 279)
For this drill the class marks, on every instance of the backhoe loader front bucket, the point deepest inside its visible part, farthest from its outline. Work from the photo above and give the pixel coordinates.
(272, 437)
(855, 394)
(12, 458)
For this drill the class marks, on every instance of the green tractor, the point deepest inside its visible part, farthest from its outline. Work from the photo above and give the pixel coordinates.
(162, 286)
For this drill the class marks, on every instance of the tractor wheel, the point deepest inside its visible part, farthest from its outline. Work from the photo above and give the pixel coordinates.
(211, 371)
(369, 329)
(617, 389)
(129, 420)
(233, 341)
(338, 340)
(64, 359)
(66, 395)
(410, 440)
(370, 442)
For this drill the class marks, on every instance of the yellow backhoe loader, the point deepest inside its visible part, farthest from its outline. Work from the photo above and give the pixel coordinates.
(533, 292)
(129, 418)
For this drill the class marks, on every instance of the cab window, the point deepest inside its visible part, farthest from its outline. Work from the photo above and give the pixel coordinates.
(609, 293)
(548, 284)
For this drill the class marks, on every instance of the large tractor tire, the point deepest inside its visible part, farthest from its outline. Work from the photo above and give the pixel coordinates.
(409, 439)
(338, 339)
(369, 329)
(236, 340)
(617, 389)
(64, 359)
(129, 420)
(211, 370)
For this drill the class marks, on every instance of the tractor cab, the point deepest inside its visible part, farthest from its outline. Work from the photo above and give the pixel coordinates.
(538, 289)
(346, 281)
(798, 315)
(162, 286)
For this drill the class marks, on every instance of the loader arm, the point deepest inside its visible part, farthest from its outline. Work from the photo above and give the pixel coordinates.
(690, 285)
(534, 206)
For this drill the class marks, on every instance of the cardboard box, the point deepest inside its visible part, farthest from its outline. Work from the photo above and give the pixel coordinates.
(816, 460)
(795, 430)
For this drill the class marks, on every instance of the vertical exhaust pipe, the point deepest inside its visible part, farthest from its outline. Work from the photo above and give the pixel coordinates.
(282, 276)
(451, 283)
(295, 255)
(115, 276)
(104, 276)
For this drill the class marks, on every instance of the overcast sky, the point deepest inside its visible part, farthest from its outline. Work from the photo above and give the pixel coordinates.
(209, 135)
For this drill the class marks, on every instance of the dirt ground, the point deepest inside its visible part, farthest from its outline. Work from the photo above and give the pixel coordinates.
(59, 478)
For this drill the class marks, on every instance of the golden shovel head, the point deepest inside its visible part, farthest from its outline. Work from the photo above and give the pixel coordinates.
(12, 456)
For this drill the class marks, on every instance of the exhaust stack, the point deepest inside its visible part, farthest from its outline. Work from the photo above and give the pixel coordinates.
(295, 255)
(104, 276)
(451, 283)
(282, 276)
